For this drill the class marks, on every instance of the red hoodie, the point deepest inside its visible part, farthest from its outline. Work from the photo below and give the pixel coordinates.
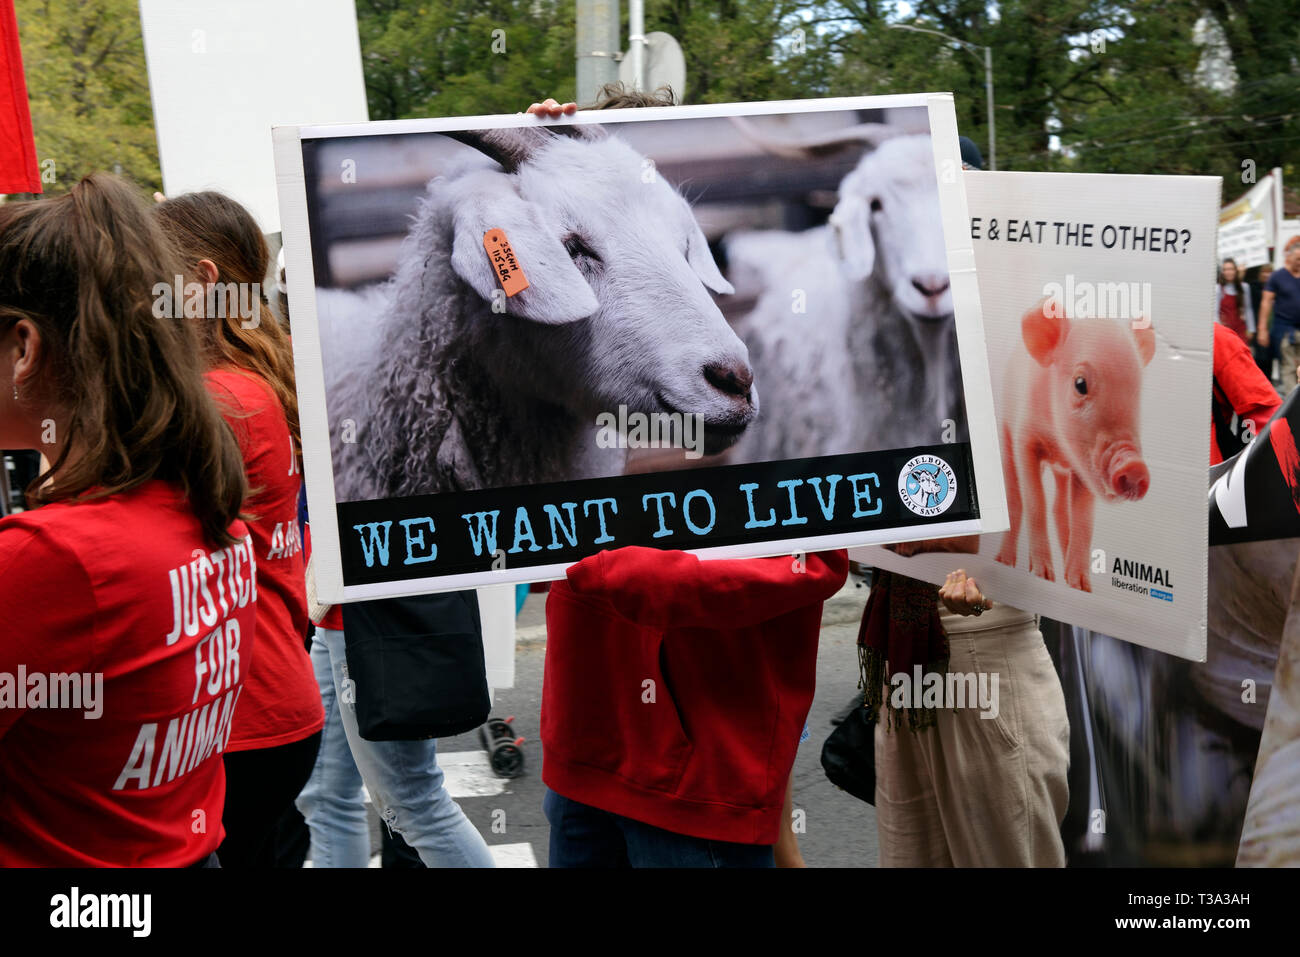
(676, 689)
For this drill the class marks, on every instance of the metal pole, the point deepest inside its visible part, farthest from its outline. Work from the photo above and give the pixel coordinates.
(597, 47)
(636, 44)
(988, 88)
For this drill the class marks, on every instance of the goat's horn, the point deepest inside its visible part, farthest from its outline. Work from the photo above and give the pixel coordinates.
(514, 147)
(509, 147)
(819, 144)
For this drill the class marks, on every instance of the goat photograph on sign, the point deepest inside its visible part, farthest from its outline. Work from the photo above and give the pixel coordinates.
(739, 330)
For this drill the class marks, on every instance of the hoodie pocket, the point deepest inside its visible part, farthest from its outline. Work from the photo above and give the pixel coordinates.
(607, 704)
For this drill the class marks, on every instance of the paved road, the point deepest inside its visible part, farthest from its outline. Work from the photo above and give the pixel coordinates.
(840, 830)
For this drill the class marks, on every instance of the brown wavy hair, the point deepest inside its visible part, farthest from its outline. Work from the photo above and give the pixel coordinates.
(124, 387)
(210, 225)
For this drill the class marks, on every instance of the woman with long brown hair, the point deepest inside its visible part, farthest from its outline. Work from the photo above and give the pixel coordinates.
(1234, 307)
(276, 732)
(125, 595)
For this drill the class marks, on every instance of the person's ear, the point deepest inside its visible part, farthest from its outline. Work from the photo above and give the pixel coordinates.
(27, 345)
(208, 270)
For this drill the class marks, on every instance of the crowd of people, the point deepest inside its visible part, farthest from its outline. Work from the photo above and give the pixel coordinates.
(166, 547)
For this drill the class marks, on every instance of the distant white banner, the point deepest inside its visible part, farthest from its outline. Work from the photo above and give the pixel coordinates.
(1245, 241)
(1250, 222)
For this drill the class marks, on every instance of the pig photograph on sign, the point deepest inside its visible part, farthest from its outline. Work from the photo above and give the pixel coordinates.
(737, 330)
(1097, 295)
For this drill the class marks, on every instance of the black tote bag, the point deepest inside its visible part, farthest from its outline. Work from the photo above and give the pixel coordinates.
(417, 666)
(849, 754)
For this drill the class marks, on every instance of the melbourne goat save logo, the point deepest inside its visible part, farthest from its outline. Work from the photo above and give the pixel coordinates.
(927, 485)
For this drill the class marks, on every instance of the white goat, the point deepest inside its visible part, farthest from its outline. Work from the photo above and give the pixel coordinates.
(462, 387)
(887, 307)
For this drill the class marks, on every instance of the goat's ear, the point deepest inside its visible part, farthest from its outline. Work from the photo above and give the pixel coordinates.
(556, 293)
(851, 227)
(1043, 328)
(700, 259)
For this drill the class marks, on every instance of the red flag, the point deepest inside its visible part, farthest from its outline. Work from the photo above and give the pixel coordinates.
(18, 172)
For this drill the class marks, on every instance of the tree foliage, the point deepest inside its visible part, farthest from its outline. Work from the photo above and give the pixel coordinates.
(88, 90)
(1086, 85)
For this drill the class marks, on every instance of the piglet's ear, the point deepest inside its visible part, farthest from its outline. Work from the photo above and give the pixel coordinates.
(1146, 339)
(1043, 328)
(486, 201)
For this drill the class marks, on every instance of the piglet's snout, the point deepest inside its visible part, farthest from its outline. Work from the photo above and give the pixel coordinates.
(1129, 477)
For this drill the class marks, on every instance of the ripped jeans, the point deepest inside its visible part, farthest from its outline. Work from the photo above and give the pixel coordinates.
(403, 778)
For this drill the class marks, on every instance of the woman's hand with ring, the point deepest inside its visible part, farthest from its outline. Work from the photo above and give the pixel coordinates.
(962, 596)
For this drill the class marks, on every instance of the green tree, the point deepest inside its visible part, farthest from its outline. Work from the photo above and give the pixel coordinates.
(459, 57)
(88, 89)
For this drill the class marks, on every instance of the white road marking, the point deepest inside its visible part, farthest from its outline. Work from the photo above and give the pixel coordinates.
(513, 855)
(469, 774)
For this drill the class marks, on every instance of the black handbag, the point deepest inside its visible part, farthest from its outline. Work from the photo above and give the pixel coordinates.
(416, 666)
(849, 754)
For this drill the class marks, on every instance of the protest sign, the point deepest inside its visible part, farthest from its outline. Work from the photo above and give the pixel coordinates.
(1243, 240)
(1249, 225)
(518, 342)
(1097, 293)
(223, 72)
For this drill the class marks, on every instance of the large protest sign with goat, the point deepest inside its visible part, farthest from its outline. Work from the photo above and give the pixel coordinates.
(739, 330)
(1097, 296)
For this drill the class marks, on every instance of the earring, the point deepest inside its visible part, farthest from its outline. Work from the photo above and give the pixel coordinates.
(15, 391)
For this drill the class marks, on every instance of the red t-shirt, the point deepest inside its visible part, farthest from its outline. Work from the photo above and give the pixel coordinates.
(281, 701)
(119, 613)
(1240, 388)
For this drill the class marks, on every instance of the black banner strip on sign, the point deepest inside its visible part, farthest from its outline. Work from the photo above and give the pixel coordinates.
(424, 536)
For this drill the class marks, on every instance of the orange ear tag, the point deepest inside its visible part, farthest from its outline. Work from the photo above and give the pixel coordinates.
(504, 262)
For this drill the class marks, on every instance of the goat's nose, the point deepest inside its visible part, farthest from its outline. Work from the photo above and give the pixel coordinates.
(734, 378)
(930, 285)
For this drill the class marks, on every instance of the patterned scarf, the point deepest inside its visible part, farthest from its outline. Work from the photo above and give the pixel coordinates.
(900, 629)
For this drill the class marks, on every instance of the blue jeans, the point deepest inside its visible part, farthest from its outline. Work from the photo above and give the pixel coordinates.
(403, 778)
(584, 836)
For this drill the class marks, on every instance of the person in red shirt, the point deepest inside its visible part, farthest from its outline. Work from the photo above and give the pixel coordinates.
(675, 693)
(1244, 398)
(673, 699)
(276, 733)
(127, 593)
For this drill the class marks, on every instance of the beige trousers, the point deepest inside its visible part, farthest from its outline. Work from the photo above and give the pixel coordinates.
(1288, 354)
(978, 791)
